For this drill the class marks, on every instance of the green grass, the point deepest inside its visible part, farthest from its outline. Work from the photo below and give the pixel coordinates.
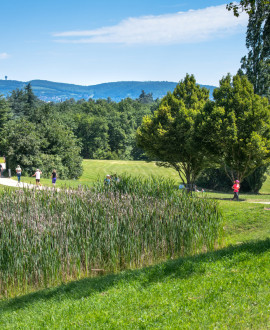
(94, 170)
(224, 289)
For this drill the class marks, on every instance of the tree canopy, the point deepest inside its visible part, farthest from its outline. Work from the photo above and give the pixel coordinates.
(170, 135)
(244, 135)
(256, 64)
(189, 133)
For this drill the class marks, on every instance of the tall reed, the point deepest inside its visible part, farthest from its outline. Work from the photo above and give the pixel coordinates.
(51, 236)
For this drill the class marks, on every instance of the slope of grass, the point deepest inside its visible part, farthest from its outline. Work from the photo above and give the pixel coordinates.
(224, 289)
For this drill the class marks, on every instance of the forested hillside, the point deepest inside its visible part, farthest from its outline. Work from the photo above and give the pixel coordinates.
(116, 91)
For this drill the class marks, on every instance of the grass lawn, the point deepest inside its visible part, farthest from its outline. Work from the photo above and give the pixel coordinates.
(224, 289)
(94, 170)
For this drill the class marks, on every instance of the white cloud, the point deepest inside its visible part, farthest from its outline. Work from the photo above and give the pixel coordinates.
(3, 56)
(182, 27)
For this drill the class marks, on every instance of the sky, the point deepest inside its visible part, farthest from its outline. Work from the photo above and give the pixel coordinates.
(89, 42)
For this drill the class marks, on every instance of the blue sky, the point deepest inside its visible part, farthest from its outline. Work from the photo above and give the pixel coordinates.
(89, 42)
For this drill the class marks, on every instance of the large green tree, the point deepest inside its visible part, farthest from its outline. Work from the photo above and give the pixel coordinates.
(256, 64)
(46, 146)
(170, 135)
(243, 140)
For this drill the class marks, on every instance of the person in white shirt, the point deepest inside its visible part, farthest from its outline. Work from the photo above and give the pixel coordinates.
(19, 173)
(37, 175)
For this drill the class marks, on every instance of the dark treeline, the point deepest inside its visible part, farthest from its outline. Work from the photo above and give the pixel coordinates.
(59, 135)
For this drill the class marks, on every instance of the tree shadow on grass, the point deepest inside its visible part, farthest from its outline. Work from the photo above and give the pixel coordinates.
(180, 268)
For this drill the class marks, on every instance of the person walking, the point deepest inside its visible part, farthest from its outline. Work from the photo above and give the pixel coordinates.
(37, 175)
(107, 180)
(236, 188)
(54, 176)
(19, 173)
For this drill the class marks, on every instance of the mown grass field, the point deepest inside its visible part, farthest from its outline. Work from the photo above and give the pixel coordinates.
(224, 289)
(94, 170)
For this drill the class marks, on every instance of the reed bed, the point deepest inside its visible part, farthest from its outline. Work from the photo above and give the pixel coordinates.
(52, 236)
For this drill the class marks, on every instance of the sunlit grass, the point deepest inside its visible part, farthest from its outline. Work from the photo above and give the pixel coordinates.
(94, 170)
(224, 289)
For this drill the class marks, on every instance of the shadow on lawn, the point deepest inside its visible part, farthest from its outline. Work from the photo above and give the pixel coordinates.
(180, 268)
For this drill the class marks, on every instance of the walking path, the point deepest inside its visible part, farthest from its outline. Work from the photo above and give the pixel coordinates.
(14, 183)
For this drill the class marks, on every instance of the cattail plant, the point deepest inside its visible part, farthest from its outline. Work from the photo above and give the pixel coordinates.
(53, 236)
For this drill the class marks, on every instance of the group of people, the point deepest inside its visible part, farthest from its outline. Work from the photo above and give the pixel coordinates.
(109, 178)
(36, 174)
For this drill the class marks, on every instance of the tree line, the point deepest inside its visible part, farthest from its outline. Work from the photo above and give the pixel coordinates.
(59, 135)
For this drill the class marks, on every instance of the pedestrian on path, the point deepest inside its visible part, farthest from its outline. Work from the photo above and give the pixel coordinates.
(37, 175)
(19, 173)
(236, 188)
(54, 176)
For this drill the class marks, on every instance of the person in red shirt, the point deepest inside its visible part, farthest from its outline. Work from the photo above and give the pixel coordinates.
(236, 188)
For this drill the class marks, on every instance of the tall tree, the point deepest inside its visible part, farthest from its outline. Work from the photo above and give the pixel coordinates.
(17, 102)
(256, 64)
(5, 112)
(170, 134)
(244, 135)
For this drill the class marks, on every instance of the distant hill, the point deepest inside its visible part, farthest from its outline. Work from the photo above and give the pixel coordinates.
(53, 91)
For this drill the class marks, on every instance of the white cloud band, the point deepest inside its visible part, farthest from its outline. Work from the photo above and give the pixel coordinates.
(182, 27)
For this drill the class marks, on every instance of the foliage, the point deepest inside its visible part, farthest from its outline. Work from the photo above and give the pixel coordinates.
(5, 112)
(23, 102)
(217, 179)
(49, 236)
(170, 135)
(146, 98)
(256, 65)
(256, 179)
(243, 137)
(45, 146)
(245, 5)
